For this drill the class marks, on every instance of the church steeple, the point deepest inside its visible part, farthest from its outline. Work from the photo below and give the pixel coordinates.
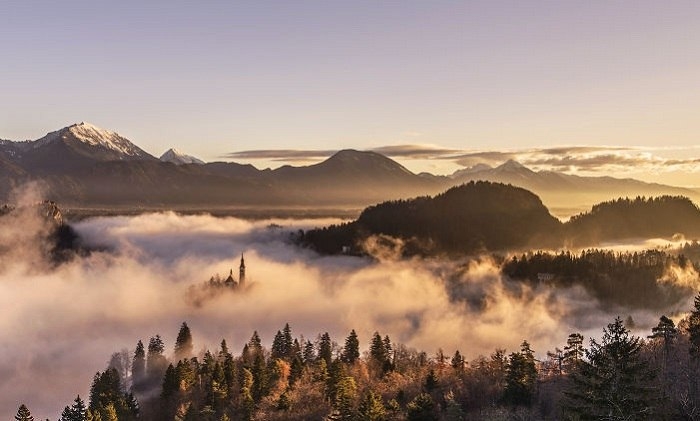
(241, 273)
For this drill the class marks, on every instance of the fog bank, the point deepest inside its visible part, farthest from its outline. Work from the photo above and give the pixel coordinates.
(62, 323)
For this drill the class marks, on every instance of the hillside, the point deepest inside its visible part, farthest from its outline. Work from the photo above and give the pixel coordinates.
(660, 217)
(484, 216)
(474, 217)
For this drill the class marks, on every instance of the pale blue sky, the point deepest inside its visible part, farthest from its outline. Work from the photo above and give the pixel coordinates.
(217, 77)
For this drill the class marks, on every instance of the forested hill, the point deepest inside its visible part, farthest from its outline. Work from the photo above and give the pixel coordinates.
(469, 218)
(483, 216)
(622, 219)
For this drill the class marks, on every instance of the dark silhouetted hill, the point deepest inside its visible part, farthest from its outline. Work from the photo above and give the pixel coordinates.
(474, 217)
(621, 219)
(484, 216)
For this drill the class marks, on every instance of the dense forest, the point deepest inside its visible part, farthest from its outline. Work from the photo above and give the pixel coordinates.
(619, 376)
(483, 216)
(631, 279)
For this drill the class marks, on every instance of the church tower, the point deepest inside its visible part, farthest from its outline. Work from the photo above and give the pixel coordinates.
(241, 273)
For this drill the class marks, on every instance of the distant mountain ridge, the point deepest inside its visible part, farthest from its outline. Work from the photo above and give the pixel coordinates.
(85, 166)
(561, 190)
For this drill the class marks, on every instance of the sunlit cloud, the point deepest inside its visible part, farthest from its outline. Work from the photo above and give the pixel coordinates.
(284, 155)
(586, 159)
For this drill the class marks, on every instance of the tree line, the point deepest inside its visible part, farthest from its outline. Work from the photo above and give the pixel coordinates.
(629, 279)
(620, 376)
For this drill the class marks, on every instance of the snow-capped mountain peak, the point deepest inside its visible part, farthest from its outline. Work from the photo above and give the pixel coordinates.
(96, 136)
(93, 136)
(179, 158)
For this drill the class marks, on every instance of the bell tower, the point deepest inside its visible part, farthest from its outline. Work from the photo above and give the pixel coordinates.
(241, 273)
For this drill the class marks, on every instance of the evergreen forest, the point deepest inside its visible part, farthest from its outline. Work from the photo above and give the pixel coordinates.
(617, 376)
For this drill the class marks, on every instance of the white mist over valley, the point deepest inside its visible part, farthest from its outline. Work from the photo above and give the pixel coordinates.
(62, 323)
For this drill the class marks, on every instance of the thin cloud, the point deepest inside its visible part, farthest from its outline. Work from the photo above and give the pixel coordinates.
(407, 151)
(416, 151)
(282, 154)
(584, 159)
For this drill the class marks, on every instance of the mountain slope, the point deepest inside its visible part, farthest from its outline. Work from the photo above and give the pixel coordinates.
(76, 146)
(470, 218)
(351, 177)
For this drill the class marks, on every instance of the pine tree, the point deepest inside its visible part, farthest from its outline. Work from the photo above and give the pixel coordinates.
(573, 352)
(247, 401)
(156, 364)
(377, 351)
(694, 329)
(309, 353)
(325, 349)
(351, 351)
(521, 377)
(371, 407)
(138, 366)
(666, 332)
(431, 381)
(183, 343)
(23, 414)
(421, 408)
(287, 342)
(615, 382)
(75, 412)
(457, 361)
(344, 401)
(277, 350)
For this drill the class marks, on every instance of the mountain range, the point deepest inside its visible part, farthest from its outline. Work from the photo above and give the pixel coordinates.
(85, 166)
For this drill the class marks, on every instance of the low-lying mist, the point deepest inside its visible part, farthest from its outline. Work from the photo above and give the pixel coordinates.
(62, 323)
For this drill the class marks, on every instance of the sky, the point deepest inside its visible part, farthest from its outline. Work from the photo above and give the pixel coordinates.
(217, 79)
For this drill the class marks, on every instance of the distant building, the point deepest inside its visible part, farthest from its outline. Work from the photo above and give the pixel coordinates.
(241, 273)
(545, 277)
(231, 282)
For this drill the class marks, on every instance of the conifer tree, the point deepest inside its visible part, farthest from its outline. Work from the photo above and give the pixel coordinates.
(421, 408)
(247, 401)
(156, 364)
(309, 353)
(325, 349)
(277, 350)
(351, 351)
(138, 366)
(573, 352)
(75, 412)
(521, 377)
(615, 382)
(457, 361)
(183, 343)
(666, 332)
(287, 342)
(344, 400)
(371, 407)
(431, 381)
(23, 414)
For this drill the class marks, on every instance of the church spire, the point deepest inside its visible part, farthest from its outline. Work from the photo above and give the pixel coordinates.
(241, 273)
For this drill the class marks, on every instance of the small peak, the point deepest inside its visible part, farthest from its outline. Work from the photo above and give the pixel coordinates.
(176, 157)
(511, 165)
